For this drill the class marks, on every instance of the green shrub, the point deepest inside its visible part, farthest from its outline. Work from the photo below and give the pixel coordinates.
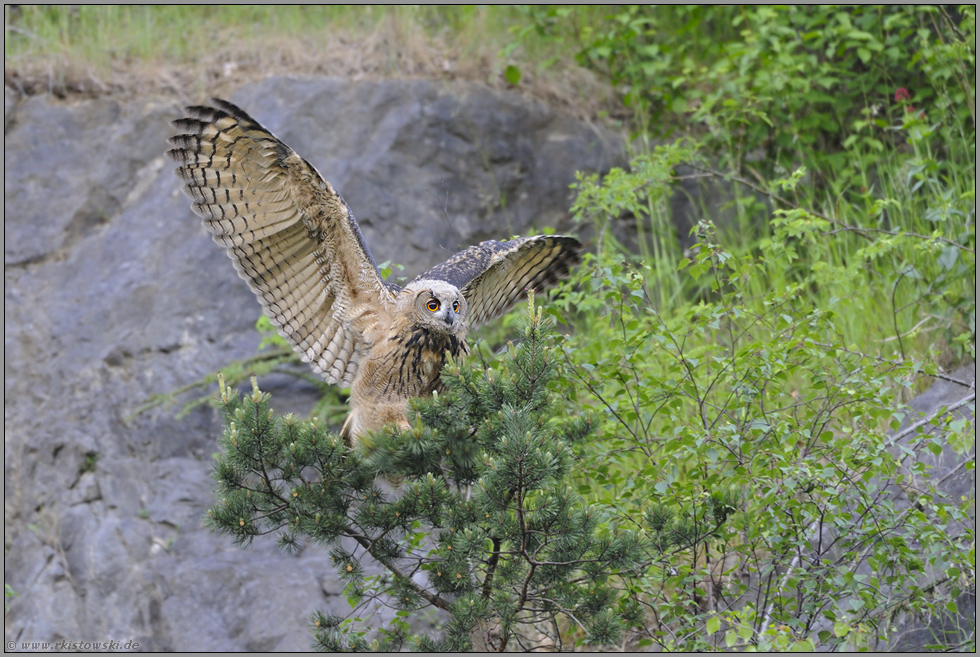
(483, 509)
(752, 442)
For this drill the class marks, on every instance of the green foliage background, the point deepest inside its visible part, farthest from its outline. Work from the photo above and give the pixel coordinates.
(751, 382)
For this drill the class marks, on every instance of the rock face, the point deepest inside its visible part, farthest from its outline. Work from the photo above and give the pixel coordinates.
(953, 480)
(113, 292)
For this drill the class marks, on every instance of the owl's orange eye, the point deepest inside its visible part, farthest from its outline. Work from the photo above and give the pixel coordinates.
(455, 306)
(433, 305)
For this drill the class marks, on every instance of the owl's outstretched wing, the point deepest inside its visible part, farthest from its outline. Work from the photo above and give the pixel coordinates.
(493, 276)
(291, 236)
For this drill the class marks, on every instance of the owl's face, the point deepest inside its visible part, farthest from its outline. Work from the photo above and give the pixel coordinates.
(438, 306)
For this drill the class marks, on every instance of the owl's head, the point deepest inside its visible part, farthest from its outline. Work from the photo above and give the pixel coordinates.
(437, 305)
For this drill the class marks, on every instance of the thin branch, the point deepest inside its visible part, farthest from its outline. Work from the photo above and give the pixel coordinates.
(914, 492)
(599, 396)
(944, 377)
(946, 410)
(775, 197)
(367, 544)
(863, 232)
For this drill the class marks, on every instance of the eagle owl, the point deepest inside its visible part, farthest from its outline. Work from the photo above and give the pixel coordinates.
(297, 244)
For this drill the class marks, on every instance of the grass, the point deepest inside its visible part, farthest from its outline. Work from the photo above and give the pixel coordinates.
(200, 49)
(900, 280)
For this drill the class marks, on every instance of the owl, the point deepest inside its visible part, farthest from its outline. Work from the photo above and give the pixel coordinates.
(294, 240)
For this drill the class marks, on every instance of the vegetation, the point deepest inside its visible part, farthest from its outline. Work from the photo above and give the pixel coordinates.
(743, 442)
(858, 177)
(483, 510)
(763, 366)
(201, 50)
(175, 34)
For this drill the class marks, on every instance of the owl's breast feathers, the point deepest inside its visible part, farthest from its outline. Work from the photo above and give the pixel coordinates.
(408, 363)
(403, 365)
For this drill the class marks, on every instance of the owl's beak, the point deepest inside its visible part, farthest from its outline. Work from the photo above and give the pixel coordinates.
(450, 317)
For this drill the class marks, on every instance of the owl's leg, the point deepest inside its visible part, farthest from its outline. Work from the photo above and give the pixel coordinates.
(391, 414)
(372, 418)
(347, 431)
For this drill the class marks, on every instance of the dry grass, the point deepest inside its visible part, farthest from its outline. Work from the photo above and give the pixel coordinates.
(199, 51)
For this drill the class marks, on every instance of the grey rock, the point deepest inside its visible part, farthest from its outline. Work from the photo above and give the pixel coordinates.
(949, 481)
(113, 292)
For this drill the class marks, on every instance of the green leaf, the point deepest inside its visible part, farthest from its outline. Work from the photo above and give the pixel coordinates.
(802, 646)
(512, 74)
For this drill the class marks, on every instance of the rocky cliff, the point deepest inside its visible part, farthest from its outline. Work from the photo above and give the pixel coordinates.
(113, 292)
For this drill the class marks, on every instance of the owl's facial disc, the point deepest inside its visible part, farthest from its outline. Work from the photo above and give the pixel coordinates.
(440, 306)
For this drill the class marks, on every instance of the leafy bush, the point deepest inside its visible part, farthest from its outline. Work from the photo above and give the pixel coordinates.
(776, 85)
(882, 213)
(750, 389)
(753, 443)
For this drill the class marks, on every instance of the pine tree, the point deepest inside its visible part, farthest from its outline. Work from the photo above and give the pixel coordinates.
(483, 504)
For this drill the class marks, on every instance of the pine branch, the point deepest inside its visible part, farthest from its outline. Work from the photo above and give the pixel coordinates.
(499, 430)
